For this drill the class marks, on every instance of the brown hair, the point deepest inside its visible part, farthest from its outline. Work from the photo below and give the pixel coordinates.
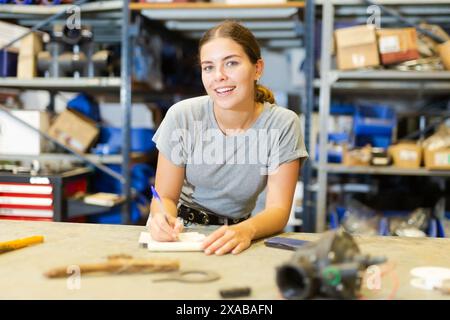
(244, 37)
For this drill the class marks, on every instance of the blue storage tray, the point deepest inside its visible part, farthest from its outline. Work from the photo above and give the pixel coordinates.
(110, 140)
(374, 120)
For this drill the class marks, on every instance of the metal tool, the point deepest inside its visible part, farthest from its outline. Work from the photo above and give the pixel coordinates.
(331, 267)
(191, 276)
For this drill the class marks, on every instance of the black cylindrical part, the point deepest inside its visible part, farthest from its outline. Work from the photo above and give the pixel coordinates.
(295, 282)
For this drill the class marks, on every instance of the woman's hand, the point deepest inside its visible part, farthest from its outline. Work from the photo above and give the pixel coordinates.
(234, 239)
(165, 227)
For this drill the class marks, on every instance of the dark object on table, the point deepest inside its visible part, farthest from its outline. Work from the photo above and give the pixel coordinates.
(331, 267)
(235, 292)
(285, 243)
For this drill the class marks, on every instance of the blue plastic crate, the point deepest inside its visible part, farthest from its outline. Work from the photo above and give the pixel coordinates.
(114, 216)
(8, 63)
(374, 125)
(376, 120)
(140, 176)
(334, 156)
(110, 140)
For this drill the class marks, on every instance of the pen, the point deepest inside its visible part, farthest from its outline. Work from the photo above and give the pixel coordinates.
(20, 243)
(161, 204)
(163, 209)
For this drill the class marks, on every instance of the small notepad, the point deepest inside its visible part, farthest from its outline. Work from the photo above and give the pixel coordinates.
(188, 241)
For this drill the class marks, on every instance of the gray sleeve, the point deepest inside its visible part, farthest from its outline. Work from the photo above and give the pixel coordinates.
(290, 144)
(171, 137)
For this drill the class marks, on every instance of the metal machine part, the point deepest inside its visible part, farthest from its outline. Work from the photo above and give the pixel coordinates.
(70, 52)
(330, 268)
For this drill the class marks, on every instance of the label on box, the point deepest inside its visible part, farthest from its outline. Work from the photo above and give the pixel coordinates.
(358, 60)
(389, 44)
(407, 155)
(442, 159)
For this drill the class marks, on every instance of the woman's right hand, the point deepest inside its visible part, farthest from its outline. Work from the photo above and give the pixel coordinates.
(165, 227)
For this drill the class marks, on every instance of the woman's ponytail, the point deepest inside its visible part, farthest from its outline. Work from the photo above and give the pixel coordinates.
(263, 94)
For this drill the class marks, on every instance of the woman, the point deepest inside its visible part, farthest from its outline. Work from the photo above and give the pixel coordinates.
(218, 152)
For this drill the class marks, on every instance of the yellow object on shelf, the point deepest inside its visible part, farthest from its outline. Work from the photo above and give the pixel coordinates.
(20, 243)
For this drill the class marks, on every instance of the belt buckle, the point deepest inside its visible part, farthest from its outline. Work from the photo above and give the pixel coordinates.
(205, 217)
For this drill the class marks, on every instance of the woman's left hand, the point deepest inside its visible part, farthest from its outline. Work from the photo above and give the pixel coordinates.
(234, 239)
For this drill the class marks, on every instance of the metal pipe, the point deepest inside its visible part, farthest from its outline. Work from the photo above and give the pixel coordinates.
(309, 34)
(324, 110)
(125, 100)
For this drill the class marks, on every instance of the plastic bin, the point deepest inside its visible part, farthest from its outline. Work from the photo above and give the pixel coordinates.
(110, 140)
(114, 216)
(8, 64)
(374, 120)
(334, 155)
(140, 176)
(374, 125)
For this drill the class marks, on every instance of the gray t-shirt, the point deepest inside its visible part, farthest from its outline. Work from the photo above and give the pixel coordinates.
(226, 173)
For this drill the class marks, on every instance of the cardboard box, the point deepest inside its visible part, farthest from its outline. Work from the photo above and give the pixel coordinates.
(356, 47)
(437, 159)
(9, 32)
(29, 48)
(74, 130)
(397, 45)
(249, 1)
(357, 157)
(406, 155)
(17, 139)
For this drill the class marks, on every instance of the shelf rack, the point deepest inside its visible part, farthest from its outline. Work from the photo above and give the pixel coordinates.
(113, 10)
(285, 30)
(333, 80)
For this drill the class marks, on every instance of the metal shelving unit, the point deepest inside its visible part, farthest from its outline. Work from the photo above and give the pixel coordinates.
(62, 84)
(373, 170)
(104, 159)
(116, 14)
(92, 7)
(275, 25)
(333, 81)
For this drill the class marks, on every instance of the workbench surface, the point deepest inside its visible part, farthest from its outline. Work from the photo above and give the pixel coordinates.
(21, 271)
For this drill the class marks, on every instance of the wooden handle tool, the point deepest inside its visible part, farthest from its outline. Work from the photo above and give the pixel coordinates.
(119, 265)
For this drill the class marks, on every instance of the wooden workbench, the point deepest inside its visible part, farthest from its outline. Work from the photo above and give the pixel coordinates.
(69, 243)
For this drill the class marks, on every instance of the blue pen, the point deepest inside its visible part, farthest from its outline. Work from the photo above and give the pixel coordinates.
(161, 204)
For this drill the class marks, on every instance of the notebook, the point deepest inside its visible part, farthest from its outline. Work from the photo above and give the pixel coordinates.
(188, 241)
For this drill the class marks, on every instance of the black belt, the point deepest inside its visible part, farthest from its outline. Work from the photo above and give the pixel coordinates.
(191, 215)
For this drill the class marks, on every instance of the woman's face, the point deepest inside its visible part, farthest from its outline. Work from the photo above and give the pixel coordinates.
(228, 74)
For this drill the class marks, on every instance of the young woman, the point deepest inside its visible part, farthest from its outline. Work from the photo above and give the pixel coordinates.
(218, 152)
